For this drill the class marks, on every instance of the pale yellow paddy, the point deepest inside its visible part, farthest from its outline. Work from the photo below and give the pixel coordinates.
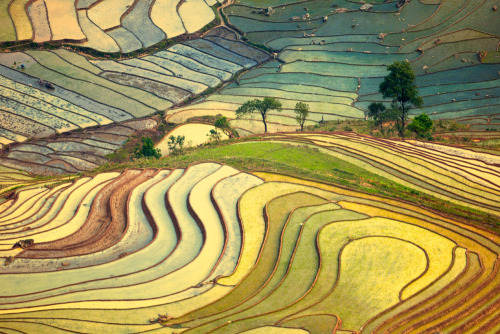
(195, 133)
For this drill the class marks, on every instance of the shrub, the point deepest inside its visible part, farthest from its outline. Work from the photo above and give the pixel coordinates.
(175, 144)
(147, 149)
(162, 128)
(214, 135)
(421, 126)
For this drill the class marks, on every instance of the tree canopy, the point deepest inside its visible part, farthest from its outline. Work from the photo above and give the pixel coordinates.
(399, 85)
(375, 110)
(421, 126)
(147, 149)
(223, 124)
(175, 144)
(301, 113)
(261, 106)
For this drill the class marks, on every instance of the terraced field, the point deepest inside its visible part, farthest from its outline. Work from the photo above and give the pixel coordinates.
(99, 92)
(208, 248)
(107, 26)
(211, 249)
(194, 134)
(72, 153)
(437, 170)
(333, 55)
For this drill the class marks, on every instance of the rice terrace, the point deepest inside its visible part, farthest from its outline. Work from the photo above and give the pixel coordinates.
(250, 166)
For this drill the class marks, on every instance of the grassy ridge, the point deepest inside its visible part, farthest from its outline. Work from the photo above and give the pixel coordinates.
(309, 163)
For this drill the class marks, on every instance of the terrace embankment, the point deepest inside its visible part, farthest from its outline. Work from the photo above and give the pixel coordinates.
(230, 252)
(105, 225)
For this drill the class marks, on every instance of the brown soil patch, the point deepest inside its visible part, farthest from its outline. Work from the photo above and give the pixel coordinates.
(105, 225)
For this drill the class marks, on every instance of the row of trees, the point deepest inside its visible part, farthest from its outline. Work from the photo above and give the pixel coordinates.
(398, 85)
(272, 103)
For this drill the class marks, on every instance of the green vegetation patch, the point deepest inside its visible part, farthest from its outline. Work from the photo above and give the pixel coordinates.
(306, 162)
(8, 31)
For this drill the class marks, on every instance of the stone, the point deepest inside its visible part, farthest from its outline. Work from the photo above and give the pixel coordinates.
(402, 3)
(24, 243)
(8, 260)
(269, 11)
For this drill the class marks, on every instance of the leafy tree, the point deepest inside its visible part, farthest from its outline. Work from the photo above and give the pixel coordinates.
(375, 111)
(421, 126)
(301, 113)
(223, 124)
(399, 85)
(175, 144)
(214, 135)
(147, 149)
(262, 106)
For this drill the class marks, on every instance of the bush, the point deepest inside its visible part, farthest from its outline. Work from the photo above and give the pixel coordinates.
(147, 150)
(162, 128)
(223, 124)
(175, 144)
(455, 127)
(214, 135)
(421, 126)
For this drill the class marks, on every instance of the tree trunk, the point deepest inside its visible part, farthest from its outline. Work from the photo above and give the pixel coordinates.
(264, 121)
(403, 117)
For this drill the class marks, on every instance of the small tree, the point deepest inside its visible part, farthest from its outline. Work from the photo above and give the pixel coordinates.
(421, 126)
(223, 124)
(175, 144)
(147, 149)
(301, 113)
(399, 85)
(375, 111)
(213, 135)
(262, 106)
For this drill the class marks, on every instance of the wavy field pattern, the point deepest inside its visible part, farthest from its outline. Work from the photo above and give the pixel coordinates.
(212, 249)
(95, 24)
(204, 247)
(72, 153)
(99, 92)
(344, 48)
